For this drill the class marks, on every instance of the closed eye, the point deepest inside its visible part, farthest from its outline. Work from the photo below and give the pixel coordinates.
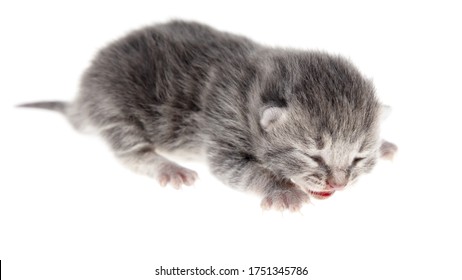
(319, 160)
(356, 160)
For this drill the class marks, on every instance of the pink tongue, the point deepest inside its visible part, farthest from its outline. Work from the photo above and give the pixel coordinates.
(321, 195)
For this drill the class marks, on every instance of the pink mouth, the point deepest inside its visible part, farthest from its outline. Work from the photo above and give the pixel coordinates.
(321, 195)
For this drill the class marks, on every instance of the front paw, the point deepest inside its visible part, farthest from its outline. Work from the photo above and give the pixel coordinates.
(388, 150)
(291, 198)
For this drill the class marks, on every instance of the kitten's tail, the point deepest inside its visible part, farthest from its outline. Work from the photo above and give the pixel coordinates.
(57, 106)
(65, 108)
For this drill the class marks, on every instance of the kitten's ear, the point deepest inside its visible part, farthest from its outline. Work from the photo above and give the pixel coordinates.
(385, 112)
(270, 116)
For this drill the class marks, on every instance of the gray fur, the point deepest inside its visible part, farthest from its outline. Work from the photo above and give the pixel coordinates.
(281, 123)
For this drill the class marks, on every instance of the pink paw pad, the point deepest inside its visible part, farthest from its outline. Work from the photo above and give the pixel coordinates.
(176, 176)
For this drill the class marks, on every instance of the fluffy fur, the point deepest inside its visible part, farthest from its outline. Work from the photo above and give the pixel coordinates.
(281, 123)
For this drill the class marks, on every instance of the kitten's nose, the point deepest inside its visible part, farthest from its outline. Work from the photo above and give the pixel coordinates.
(335, 185)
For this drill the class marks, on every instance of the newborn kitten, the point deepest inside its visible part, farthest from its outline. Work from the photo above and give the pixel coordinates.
(285, 124)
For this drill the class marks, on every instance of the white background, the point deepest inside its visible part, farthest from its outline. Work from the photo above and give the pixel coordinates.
(69, 210)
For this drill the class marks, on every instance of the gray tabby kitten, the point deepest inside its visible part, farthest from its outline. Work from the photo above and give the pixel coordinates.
(285, 124)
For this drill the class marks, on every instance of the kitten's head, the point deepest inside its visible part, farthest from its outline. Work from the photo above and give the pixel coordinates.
(319, 121)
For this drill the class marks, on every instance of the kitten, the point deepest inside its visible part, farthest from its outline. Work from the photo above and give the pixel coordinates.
(285, 124)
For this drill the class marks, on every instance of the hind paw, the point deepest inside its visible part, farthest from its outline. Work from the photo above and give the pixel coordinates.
(176, 176)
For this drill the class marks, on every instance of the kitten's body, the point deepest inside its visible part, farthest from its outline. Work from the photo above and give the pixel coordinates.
(265, 118)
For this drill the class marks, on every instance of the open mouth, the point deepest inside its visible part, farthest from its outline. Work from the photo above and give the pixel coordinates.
(321, 195)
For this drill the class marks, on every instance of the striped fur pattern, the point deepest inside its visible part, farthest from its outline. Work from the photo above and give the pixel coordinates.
(282, 123)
